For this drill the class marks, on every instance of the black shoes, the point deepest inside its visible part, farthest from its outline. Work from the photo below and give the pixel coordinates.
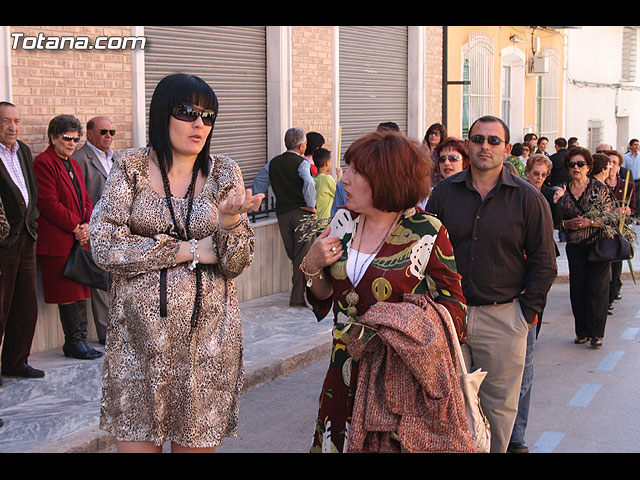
(27, 372)
(80, 351)
(73, 318)
(517, 448)
(596, 342)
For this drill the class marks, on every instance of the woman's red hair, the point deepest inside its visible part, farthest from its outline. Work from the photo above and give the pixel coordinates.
(396, 168)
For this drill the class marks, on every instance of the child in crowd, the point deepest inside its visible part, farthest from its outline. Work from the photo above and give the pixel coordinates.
(325, 183)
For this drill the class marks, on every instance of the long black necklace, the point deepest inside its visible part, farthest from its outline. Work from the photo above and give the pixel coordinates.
(189, 195)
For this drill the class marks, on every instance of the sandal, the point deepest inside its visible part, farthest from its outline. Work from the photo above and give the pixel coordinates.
(596, 342)
(580, 340)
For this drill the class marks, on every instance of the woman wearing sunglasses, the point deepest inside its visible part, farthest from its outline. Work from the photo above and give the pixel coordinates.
(451, 156)
(172, 227)
(65, 208)
(588, 281)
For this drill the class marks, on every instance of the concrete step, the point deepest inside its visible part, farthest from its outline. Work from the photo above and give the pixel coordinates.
(37, 411)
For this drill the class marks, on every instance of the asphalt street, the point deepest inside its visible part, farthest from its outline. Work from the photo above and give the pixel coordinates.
(584, 399)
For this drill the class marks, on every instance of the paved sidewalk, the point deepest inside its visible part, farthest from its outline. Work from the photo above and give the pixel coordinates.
(278, 340)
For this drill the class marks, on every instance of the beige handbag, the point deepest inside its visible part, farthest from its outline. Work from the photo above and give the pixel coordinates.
(470, 383)
(478, 423)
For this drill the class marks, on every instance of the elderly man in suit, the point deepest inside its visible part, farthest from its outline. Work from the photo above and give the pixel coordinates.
(96, 158)
(18, 293)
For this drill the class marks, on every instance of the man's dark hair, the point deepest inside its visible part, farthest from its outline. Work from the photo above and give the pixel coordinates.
(491, 119)
(561, 142)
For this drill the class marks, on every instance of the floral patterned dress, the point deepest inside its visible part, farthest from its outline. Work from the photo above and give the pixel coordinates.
(417, 257)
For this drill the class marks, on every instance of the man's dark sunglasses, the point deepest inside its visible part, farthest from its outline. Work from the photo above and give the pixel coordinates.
(492, 139)
(104, 131)
(188, 113)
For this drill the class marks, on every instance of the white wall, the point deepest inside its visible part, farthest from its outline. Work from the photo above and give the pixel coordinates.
(593, 86)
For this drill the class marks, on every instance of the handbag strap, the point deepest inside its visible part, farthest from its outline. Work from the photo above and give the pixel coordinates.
(444, 313)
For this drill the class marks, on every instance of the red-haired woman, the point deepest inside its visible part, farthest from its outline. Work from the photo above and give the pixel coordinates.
(374, 262)
(451, 157)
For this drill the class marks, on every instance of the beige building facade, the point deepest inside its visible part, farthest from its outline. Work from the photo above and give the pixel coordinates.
(514, 72)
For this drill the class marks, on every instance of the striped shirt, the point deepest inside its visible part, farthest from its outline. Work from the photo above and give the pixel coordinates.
(11, 162)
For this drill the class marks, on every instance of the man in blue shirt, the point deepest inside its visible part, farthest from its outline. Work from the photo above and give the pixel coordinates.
(631, 160)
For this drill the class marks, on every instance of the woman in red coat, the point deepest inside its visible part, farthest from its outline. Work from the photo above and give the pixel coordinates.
(65, 209)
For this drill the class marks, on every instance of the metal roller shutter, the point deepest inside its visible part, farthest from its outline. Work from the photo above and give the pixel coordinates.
(233, 61)
(373, 79)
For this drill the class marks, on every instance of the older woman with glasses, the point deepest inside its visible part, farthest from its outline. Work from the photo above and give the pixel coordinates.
(65, 208)
(588, 280)
(172, 227)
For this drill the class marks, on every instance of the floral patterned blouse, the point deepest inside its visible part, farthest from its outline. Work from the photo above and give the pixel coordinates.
(417, 258)
(595, 196)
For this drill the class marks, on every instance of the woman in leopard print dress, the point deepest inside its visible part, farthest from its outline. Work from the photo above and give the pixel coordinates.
(172, 227)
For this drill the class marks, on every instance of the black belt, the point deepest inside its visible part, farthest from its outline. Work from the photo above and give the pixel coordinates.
(484, 304)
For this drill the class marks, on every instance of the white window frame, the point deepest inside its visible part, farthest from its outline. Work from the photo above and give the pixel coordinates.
(479, 51)
(548, 97)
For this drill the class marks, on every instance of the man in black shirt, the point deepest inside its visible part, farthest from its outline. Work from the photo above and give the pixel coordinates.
(559, 174)
(502, 235)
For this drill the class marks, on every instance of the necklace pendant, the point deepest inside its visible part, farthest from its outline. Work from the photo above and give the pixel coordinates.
(352, 297)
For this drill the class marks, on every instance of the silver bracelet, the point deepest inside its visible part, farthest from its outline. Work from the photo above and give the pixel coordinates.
(232, 227)
(196, 255)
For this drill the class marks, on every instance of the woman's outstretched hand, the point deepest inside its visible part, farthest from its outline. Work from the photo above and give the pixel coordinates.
(237, 202)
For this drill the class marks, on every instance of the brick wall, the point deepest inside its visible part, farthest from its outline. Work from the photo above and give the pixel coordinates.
(311, 79)
(433, 73)
(84, 83)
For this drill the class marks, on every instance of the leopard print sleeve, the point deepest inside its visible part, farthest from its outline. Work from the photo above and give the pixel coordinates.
(122, 241)
(235, 248)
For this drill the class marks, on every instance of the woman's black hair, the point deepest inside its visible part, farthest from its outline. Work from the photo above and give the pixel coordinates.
(172, 91)
(315, 140)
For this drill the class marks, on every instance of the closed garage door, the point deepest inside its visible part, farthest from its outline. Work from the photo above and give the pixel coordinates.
(233, 61)
(373, 79)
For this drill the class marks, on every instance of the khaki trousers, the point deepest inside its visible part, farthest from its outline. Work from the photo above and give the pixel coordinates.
(497, 343)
